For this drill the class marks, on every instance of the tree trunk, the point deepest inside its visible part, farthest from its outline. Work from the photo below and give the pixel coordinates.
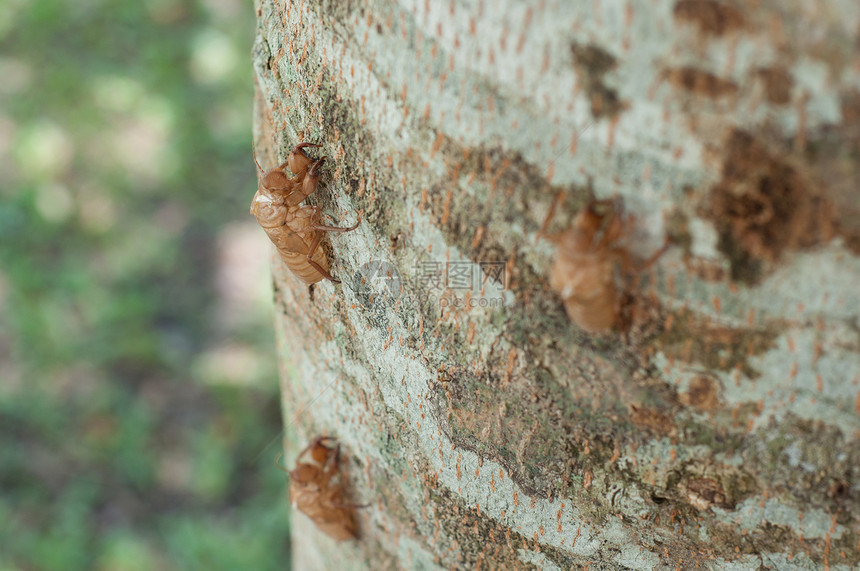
(715, 424)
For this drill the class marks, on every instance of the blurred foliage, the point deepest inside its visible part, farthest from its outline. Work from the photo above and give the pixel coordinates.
(138, 389)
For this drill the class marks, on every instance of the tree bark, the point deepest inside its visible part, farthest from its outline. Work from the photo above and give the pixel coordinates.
(716, 424)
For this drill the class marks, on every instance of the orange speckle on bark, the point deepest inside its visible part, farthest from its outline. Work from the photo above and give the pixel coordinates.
(446, 206)
(578, 529)
(479, 235)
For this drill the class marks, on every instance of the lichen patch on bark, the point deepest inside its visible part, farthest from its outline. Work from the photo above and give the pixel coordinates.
(592, 63)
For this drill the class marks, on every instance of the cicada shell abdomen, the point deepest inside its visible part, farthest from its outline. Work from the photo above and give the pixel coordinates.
(292, 246)
(298, 264)
(316, 489)
(322, 502)
(585, 282)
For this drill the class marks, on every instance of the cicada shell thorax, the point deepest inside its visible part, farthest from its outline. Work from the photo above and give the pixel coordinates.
(275, 192)
(340, 530)
(306, 477)
(275, 187)
(269, 209)
(594, 315)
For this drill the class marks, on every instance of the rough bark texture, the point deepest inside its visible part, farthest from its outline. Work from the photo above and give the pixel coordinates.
(718, 426)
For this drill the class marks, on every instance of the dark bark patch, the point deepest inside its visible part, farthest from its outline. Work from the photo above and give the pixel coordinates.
(700, 82)
(537, 454)
(702, 493)
(833, 159)
(592, 63)
(693, 338)
(763, 207)
(652, 420)
(496, 198)
(777, 82)
(702, 393)
(484, 543)
(711, 17)
(789, 451)
(703, 485)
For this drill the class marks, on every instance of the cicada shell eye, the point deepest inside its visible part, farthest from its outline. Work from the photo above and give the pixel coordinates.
(321, 452)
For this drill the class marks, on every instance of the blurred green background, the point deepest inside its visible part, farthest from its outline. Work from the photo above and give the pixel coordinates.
(138, 386)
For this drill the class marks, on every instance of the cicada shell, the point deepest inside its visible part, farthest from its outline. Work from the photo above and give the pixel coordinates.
(295, 230)
(584, 273)
(316, 493)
